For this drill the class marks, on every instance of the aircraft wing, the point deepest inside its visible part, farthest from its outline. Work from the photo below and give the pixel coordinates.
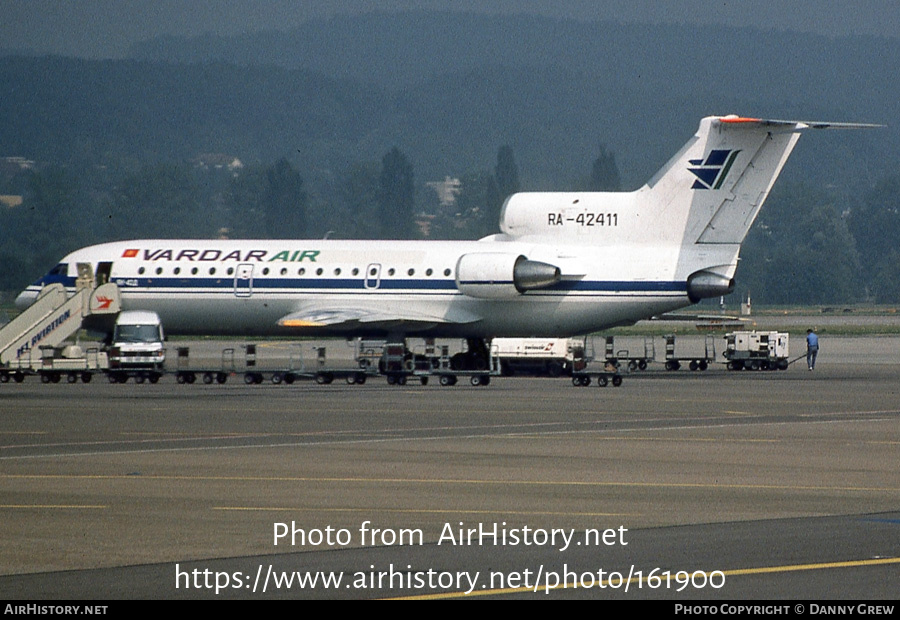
(337, 317)
(673, 316)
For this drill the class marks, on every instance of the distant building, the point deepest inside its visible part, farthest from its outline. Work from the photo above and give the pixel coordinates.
(447, 190)
(10, 201)
(424, 222)
(11, 166)
(218, 161)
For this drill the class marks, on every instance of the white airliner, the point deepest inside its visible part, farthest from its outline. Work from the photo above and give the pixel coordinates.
(563, 264)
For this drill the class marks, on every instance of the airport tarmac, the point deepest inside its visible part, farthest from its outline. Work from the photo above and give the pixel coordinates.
(676, 485)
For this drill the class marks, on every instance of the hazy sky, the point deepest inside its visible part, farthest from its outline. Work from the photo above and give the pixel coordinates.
(105, 28)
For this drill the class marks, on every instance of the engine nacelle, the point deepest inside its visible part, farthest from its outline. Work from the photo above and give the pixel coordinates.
(705, 284)
(494, 275)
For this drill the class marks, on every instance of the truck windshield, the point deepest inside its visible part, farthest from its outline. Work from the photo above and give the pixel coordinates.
(137, 333)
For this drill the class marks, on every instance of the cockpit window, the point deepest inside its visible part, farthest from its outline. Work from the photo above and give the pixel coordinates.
(61, 269)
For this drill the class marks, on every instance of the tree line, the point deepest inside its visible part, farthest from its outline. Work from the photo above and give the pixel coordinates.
(806, 247)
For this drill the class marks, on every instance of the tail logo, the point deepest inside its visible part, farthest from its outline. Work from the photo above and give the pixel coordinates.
(711, 172)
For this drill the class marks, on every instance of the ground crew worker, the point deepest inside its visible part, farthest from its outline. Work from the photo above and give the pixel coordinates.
(812, 348)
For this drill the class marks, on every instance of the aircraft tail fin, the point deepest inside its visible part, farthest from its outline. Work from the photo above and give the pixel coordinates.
(708, 193)
(713, 189)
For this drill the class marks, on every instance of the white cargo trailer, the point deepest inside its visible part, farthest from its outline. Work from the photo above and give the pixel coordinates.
(550, 356)
(757, 350)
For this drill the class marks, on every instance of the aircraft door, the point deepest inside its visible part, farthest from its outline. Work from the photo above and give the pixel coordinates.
(243, 280)
(373, 276)
(104, 273)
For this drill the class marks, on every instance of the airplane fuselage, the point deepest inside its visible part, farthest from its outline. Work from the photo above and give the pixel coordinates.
(246, 287)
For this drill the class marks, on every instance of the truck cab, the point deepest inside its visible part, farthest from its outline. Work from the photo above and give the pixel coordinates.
(137, 349)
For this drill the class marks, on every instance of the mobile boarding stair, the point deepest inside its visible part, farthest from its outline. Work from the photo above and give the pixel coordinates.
(47, 323)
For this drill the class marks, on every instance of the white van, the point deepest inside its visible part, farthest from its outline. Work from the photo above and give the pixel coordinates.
(137, 347)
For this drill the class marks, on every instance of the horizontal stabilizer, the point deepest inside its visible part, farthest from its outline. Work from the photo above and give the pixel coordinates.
(794, 125)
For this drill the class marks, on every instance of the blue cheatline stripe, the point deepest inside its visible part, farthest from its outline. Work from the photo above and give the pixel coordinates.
(400, 285)
(409, 286)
